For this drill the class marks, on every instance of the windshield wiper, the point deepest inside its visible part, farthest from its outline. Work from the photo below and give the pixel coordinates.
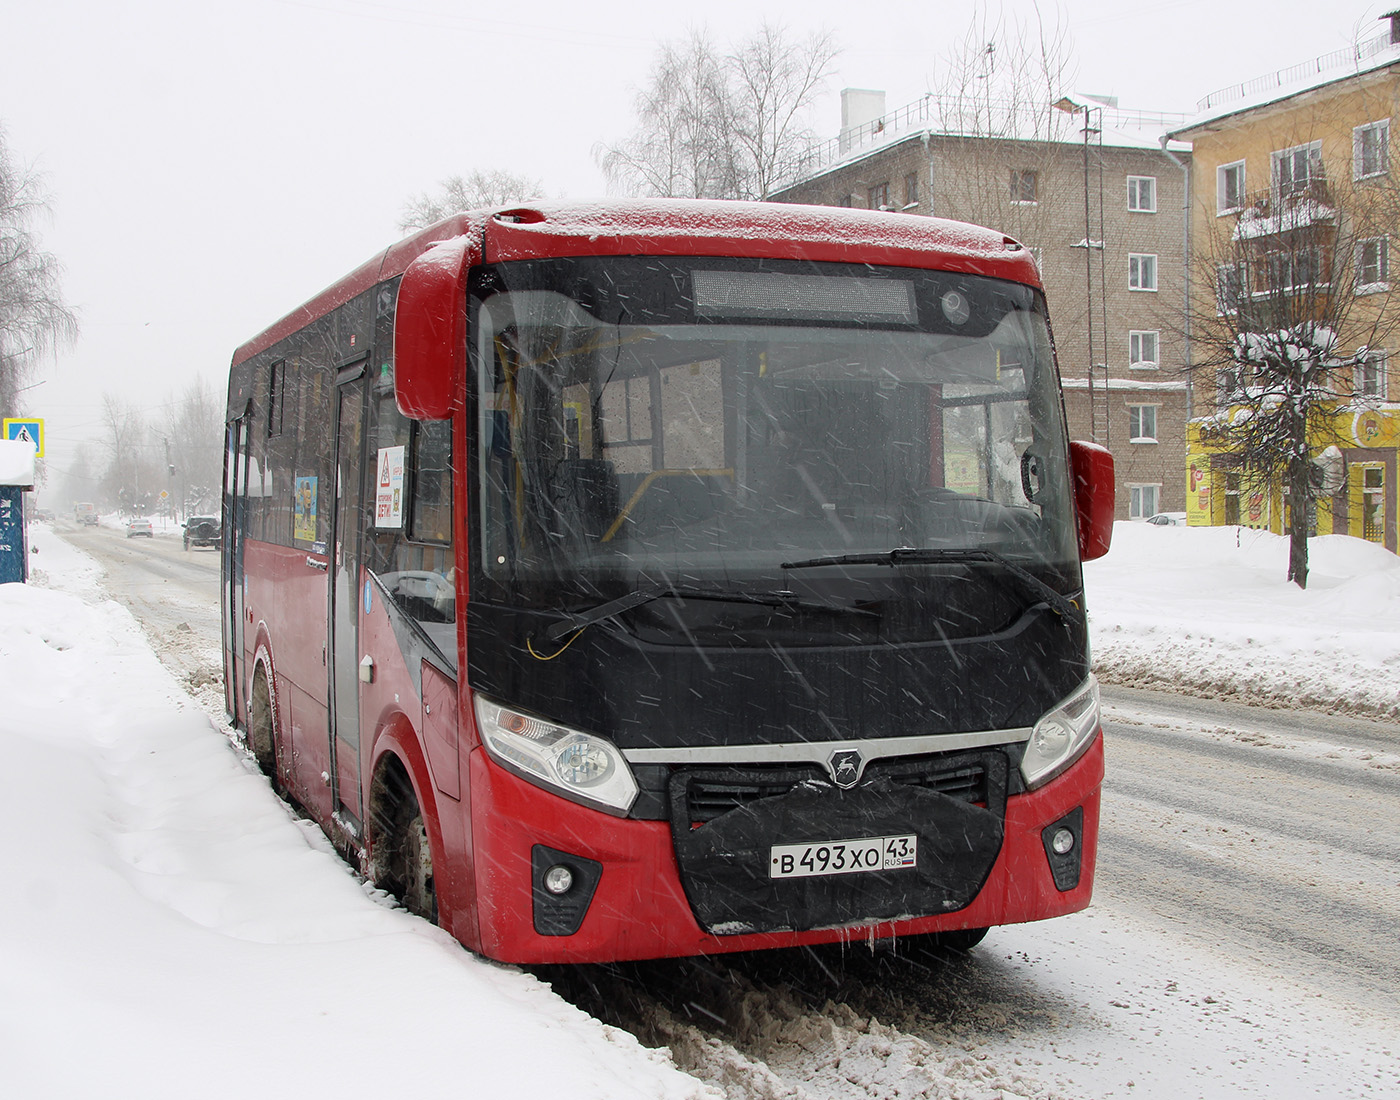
(576, 620)
(1059, 602)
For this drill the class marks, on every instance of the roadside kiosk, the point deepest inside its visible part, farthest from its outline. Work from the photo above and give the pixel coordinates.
(16, 476)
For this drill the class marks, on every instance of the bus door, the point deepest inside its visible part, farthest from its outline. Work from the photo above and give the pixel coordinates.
(344, 634)
(234, 517)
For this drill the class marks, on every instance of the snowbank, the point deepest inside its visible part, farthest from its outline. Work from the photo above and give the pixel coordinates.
(170, 930)
(1209, 610)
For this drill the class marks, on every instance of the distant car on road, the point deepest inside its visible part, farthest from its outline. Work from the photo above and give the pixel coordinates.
(203, 531)
(139, 527)
(1168, 519)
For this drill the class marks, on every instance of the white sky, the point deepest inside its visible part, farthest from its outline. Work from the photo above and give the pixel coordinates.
(214, 164)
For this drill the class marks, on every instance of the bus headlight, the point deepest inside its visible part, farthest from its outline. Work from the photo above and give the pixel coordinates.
(1061, 735)
(581, 766)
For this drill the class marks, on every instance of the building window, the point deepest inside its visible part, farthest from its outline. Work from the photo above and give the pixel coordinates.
(1229, 187)
(1142, 423)
(1370, 150)
(1142, 501)
(880, 197)
(1229, 286)
(1142, 272)
(1300, 269)
(848, 200)
(1370, 375)
(1373, 265)
(1373, 503)
(1142, 194)
(1142, 350)
(1297, 169)
(911, 190)
(1025, 186)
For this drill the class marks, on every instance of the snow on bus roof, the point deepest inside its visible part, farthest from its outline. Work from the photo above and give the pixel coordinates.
(683, 227)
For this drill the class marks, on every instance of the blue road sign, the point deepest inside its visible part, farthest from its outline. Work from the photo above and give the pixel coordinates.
(30, 429)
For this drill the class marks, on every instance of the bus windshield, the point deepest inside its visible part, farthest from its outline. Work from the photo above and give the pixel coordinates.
(718, 426)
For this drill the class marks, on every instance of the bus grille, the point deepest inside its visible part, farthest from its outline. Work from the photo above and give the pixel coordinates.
(962, 776)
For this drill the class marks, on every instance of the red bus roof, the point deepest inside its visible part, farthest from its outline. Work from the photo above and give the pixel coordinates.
(685, 227)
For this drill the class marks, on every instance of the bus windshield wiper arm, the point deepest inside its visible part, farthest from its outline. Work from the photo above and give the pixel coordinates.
(1061, 603)
(577, 620)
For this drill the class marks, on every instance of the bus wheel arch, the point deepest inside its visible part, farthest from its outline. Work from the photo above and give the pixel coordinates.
(402, 847)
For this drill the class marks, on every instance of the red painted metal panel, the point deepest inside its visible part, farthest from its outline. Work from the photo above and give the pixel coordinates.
(684, 227)
(640, 910)
(440, 730)
(674, 227)
(1092, 468)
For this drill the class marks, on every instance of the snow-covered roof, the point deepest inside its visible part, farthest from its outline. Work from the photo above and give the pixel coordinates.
(1364, 57)
(16, 462)
(942, 116)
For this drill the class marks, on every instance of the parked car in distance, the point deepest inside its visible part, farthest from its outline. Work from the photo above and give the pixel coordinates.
(203, 531)
(1168, 519)
(140, 526)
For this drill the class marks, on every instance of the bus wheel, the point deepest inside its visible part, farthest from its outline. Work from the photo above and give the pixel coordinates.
(403, 859)
(963, 939)
(260, 734)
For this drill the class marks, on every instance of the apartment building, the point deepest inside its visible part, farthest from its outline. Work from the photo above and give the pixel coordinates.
(1101, 203)
(1296, 194)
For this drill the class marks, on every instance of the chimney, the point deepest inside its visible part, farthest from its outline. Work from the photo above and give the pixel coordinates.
(1394, 17)
(860, 107)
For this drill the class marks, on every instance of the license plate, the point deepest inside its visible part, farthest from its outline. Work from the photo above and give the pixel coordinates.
(843, 857)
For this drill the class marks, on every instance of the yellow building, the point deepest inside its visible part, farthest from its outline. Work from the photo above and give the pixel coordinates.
(1356, 465)
(1295, 193)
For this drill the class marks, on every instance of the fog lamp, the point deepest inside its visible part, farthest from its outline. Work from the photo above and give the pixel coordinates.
(1062, 842)
(558, 879)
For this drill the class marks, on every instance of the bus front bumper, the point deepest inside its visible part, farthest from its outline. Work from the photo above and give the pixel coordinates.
(627, 899)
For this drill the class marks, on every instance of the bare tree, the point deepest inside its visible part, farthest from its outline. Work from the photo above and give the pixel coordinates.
(131, 477)
(33, 317)
(681, 147)
(1301, 299)
(995, 97)
(475, 191)
(193, 440)
(723, 126)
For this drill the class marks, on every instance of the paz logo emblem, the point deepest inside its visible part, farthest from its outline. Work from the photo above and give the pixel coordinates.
(845, 767)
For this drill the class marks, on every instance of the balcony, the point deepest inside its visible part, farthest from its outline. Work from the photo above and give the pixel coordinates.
(1277, 211)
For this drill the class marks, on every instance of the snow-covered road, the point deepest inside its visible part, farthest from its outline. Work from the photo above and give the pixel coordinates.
(184, 932)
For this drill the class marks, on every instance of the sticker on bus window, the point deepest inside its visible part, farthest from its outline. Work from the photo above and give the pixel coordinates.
(388, 488)
(304, 510)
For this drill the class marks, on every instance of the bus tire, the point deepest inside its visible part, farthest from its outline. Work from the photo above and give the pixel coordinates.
(959, 940)
(403, 856)
(262, 736)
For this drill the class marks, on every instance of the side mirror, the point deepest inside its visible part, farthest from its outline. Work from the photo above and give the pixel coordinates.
(1091, 467)
(430, 330)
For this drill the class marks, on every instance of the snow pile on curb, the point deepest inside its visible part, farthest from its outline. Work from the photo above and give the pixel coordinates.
(1209, 610)
(173, 931)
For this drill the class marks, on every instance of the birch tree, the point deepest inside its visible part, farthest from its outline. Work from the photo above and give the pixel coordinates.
(722, 125)
(33, 317)
(474, 191)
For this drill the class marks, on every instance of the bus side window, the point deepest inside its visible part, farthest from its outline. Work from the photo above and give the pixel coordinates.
(412, 541)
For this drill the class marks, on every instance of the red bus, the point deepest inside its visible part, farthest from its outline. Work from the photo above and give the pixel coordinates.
(648, 579)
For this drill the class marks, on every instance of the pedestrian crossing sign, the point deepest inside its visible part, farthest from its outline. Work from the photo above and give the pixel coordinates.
(29, 430)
